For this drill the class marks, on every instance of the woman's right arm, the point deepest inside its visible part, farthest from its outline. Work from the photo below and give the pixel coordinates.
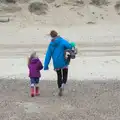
(47, 58)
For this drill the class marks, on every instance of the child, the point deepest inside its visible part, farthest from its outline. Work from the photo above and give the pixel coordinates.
(34, 65)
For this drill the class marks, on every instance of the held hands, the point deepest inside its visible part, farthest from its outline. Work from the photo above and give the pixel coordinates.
(46, 68)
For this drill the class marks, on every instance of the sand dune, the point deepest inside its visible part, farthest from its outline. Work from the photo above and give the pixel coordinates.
(60, 12)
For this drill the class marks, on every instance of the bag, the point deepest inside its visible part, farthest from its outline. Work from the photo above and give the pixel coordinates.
(70, 54)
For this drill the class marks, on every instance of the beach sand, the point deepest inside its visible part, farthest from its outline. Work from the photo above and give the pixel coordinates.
(92, 91)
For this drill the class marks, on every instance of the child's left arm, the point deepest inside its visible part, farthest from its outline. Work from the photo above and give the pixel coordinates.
(28, 62)
(40, 66)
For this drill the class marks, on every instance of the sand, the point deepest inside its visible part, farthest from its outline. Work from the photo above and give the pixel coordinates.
(92, 91)
(81, 101)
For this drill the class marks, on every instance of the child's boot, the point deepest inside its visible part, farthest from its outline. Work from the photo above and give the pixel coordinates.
(32, 91)
(37, 91)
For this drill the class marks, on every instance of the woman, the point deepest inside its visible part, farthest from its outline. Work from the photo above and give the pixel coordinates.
(55, 51)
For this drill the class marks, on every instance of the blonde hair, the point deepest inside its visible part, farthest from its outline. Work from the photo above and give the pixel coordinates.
(33, 55)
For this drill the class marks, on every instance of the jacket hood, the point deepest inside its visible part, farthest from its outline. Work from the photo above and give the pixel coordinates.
(55, 42)
(34, 60)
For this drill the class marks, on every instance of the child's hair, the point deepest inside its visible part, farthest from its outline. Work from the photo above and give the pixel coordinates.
(33, 55)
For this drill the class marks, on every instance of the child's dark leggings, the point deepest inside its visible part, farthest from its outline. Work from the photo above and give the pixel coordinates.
(62, 75)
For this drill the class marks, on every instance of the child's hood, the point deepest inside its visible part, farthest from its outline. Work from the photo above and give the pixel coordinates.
(34, 60)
